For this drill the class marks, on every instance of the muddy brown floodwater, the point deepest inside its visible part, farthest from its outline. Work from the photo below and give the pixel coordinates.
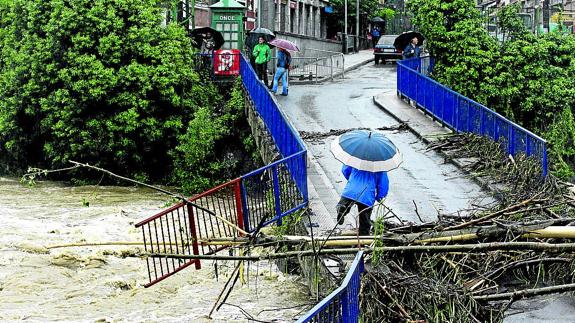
(93, 284)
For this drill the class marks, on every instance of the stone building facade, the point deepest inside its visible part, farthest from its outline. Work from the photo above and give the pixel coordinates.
(300, 17)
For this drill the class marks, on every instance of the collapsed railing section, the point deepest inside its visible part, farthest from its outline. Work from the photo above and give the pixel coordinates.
(463, 114)
(342, 305)
(187, 227)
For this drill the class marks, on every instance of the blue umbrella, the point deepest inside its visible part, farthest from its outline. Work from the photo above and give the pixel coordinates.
(366, 150)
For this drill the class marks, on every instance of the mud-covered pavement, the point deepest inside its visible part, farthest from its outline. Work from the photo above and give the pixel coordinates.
(91, 284)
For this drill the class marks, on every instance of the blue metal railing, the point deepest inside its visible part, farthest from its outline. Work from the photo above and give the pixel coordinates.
(463, 114)
(342, 305)
(280, 188)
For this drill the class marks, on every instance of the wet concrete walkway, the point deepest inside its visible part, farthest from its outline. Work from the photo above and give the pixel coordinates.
(422, 187)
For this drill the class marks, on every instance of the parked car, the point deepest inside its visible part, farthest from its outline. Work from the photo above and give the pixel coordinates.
(384, 49)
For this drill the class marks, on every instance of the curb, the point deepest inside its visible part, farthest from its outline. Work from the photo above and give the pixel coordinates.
(411, 129)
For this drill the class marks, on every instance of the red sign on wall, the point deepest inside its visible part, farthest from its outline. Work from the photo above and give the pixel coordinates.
(227, 62)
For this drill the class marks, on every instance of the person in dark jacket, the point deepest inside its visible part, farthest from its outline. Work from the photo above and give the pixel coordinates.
(282, 70)
(363, 188)
(411, 50)
(375, 34)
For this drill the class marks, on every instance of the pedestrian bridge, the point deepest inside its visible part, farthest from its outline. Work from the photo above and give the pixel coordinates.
(264, 196)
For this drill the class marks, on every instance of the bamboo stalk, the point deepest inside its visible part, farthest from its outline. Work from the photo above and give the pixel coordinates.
(527, 293)
(549, 232)
(562, 232)
(479, 247)
(492, 215)
(139, 243)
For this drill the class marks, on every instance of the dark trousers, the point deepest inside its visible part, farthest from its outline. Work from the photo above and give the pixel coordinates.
(261, 69)
(343, 207)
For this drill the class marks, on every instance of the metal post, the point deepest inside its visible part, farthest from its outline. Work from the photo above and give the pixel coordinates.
(259, 13)
(193, 14)
(345, 26)
(357, 25)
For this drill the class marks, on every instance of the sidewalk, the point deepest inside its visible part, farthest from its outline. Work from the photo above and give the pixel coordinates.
(355, 60)
(422, 125)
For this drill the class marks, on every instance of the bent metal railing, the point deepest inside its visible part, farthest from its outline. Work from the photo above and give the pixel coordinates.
(463, 114)
(258, 198)
(186, 228)
(342, 305)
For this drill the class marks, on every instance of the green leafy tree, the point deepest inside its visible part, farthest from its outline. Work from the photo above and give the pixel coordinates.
(527, 78)
(98, 81)
(205, 152)
(510, 24)
(561, 134)
(463, 50)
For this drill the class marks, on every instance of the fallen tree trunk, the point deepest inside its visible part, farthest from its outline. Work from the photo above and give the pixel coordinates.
(524, 293)
(479, 247)
(549, 232)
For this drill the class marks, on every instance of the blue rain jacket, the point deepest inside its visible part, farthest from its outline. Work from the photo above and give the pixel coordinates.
(364, 187)
(411, 51)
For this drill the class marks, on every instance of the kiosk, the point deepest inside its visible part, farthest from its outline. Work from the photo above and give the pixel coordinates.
(227, 18)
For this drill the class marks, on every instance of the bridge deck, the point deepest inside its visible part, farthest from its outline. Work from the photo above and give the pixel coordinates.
(424, 179)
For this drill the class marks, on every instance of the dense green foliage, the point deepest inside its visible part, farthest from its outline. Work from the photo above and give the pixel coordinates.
(526, 78)
(103, 82)
(218, 137)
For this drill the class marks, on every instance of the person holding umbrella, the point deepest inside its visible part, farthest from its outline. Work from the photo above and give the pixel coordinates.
(252, 39)
(367, 157)
(375, 34)
(283, 65)
(208, 44)
(262, 54)
(412, 50)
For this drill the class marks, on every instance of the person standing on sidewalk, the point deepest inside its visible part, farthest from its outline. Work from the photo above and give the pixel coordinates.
(363, 188)
(411, 50)
(262, 54)
(282, 70)
(375, 35)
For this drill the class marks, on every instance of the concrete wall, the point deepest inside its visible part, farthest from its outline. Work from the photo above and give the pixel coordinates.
(264, 141)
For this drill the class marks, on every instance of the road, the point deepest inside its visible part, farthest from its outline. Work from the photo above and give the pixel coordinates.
(424, 184)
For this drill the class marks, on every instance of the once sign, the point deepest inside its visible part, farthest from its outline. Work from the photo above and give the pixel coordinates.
(227, 17)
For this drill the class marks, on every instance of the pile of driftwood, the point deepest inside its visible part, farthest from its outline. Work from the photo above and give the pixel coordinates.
(470, 269)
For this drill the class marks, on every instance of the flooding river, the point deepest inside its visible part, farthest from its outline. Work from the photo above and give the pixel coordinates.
(93, 284)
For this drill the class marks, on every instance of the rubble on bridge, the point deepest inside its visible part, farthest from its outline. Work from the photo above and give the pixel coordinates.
(530, 227)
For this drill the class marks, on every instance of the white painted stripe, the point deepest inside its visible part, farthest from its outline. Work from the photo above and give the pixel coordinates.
(370, 166)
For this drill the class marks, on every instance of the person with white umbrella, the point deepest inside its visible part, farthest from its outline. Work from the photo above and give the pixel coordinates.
(367, 157)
